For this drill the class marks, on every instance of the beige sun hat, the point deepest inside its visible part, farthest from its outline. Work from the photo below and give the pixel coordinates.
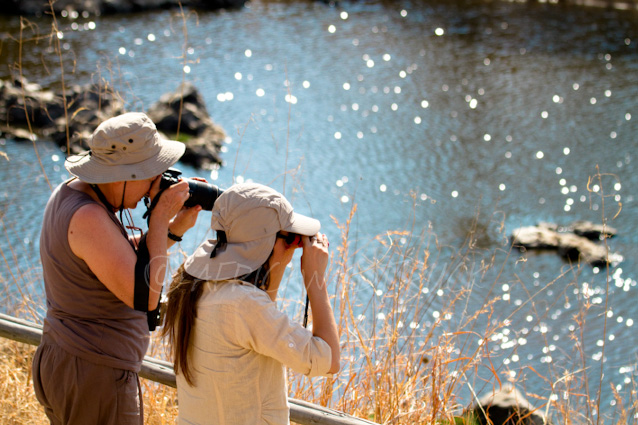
(126, 147)
(249, 215)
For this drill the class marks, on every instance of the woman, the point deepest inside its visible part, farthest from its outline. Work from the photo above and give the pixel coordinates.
(230, 343)
(85, 369)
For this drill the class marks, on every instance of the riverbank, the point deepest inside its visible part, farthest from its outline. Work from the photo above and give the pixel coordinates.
(70, 116)
(86, 8)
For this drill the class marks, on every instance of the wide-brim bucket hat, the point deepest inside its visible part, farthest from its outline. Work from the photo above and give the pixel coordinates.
(125, 147)
(250, 215)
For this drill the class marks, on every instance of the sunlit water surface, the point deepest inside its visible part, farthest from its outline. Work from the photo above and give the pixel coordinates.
(425, 115)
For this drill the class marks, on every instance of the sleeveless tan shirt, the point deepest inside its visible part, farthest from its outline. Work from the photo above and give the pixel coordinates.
(83, 316)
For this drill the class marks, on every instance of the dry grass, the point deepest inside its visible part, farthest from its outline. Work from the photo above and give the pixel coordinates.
(160, 404)
(18, 404)
(397, 366)
(401, 364)
(392, 372)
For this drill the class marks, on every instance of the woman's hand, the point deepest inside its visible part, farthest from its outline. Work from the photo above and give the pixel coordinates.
(313, 267)
(314, 259)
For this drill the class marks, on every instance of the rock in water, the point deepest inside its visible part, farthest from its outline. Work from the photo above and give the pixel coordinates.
(506, 406)
(574, 243)
(183, 112)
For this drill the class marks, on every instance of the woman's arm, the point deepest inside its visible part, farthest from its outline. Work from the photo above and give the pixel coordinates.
(313, 265)
(94, 238)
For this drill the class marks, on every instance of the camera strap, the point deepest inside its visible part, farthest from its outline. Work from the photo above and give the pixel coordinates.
(305, 313)
(143, 269)
(142, 264)
(103, 199)
(142, 285)
(107, 204)
(150, 205)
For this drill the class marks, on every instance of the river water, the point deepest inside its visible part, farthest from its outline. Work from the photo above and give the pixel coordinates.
(426, 115)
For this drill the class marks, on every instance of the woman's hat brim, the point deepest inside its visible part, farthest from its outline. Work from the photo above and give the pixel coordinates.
(303, 225)
(250, 215)
(232, 260)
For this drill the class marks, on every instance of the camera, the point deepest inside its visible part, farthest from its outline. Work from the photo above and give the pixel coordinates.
(201, 193)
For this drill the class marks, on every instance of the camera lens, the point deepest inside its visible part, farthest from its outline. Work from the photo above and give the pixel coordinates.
(203, 194)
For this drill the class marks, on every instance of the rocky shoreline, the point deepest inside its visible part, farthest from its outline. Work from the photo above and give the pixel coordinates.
(28, 112)
(104, 7)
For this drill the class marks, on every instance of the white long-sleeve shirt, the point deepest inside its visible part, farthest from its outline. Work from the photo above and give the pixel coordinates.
(240, 346)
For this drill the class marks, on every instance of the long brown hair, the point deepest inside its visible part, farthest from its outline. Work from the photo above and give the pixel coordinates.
(181, 311)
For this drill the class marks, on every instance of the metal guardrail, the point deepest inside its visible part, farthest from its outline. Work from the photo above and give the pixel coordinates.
(160, 371)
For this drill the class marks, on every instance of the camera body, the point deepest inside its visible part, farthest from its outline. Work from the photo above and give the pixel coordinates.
(201, 193)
